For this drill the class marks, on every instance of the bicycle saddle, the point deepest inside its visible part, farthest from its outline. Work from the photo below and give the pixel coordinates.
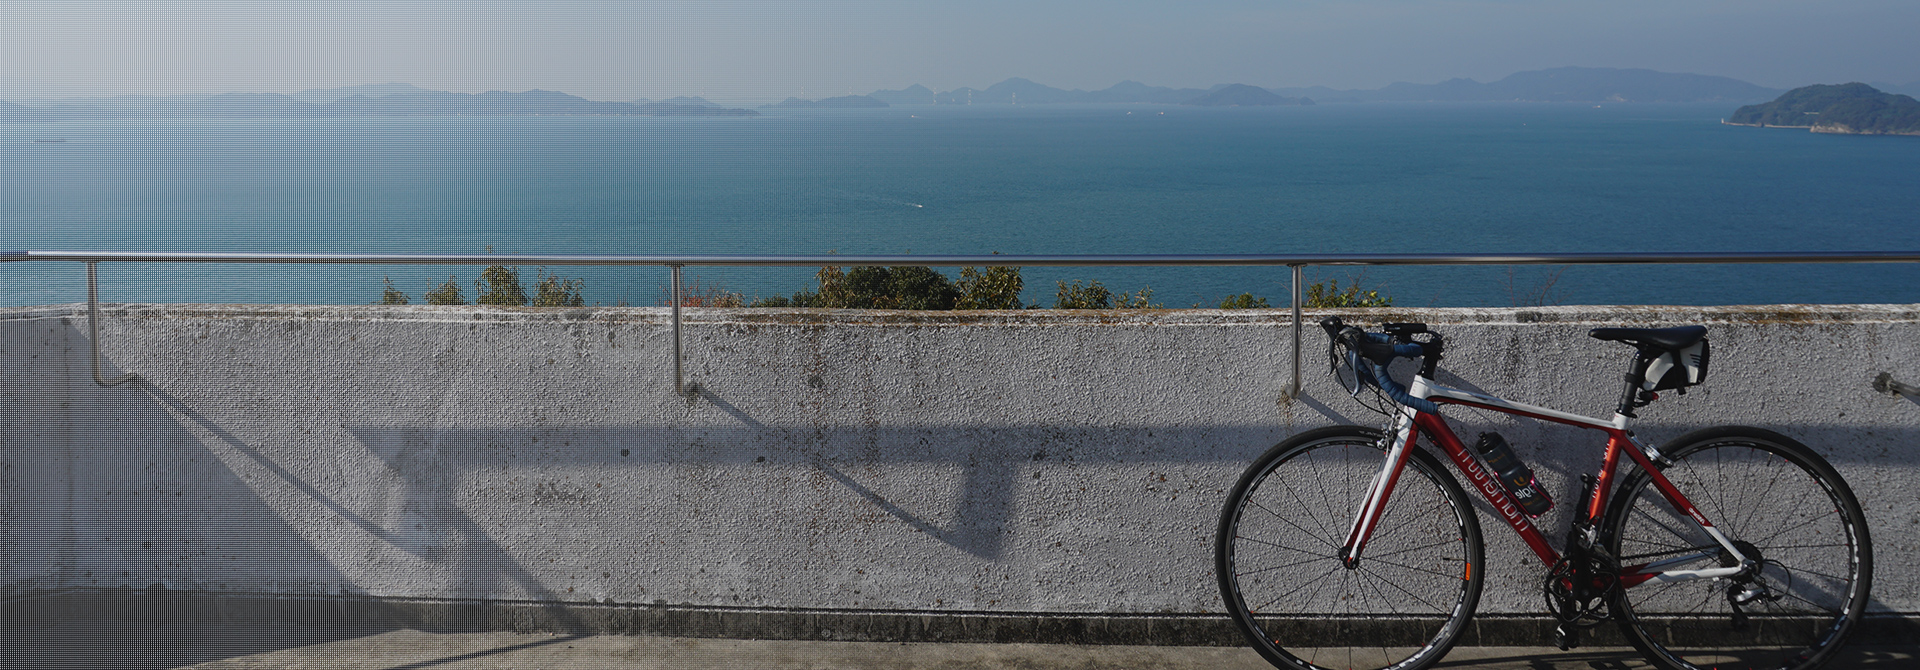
(1679, 337)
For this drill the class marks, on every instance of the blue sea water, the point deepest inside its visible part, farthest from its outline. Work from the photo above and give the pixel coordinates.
(1474, 178)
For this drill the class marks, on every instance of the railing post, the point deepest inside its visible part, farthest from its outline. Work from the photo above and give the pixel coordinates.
(93, 328)
(1293, 390)
(1884, 383)
(679, 385)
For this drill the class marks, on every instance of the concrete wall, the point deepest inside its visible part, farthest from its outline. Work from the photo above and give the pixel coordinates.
(993, 462)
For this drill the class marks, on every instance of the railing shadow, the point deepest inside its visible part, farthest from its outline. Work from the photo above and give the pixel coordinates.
(432, 527)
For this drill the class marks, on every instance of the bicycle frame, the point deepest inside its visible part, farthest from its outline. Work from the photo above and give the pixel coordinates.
(1408, 422)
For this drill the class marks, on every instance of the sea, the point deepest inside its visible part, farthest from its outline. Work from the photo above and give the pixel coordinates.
(1042, 179)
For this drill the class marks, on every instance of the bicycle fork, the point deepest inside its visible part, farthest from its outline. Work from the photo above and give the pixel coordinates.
(1401, 436)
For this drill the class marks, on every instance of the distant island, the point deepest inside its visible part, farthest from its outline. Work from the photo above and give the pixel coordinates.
(1562, 84)
(1852, 109)
(911, 95)
(694, 100)
(1565, 84)
(1242, 95)
(371, 100)
(841, 102)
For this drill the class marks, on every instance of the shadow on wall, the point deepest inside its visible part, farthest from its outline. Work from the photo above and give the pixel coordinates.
(431, 526)
(193, 527)
(991, 461)
(141, 501)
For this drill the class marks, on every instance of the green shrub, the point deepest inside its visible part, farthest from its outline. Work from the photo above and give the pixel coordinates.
(499, 285)
(872, 287)
(446, 294)
(392, 296)
(697, 294)
(1091, 296)
(833, 292)
(1142, 299)
(1331, 295)
(1095, 295)
(1244, 301)
(994, 288)
(912, 287)
(552, 291)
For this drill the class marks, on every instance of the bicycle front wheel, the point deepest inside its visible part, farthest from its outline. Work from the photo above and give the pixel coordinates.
(1782, 506)
(1301, 607)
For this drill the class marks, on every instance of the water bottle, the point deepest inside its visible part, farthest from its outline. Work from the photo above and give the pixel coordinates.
(1514, 476)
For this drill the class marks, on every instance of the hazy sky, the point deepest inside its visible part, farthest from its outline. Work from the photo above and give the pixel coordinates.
(767, 49)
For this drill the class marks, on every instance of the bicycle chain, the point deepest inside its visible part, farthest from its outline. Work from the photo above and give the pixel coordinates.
(1581, 587)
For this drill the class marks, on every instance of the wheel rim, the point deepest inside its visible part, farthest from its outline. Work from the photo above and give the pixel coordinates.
(1403, 603)
(1808, 587)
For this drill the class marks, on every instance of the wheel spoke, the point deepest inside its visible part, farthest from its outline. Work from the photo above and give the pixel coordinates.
(1310, 583)
(1296, 526)
(1754, 510)
(1402, 551)
(1397, 587)
(1411, 571)
(1325, 535)
(1404, 566)
(1277, 567)
(1750, 486)
(1784, 531)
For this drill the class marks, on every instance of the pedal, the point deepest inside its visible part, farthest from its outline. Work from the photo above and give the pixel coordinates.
(1566, 636)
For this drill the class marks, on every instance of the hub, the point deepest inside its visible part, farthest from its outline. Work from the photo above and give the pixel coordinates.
(1754, 559)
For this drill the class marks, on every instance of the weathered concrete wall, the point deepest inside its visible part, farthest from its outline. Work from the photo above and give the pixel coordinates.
(1050, 462)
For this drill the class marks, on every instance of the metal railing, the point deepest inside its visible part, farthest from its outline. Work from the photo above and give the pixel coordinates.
(1296, 262)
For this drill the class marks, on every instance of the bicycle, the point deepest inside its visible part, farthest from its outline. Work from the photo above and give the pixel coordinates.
(1727, 547)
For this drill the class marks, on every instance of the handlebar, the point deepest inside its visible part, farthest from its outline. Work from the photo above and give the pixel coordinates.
(1369, 354)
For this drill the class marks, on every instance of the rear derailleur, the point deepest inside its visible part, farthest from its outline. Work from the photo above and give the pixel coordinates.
(1746, 588)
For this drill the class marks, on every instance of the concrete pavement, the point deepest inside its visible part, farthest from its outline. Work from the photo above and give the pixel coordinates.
(200, 646)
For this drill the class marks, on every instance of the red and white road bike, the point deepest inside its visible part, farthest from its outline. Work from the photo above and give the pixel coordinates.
(1353, 547)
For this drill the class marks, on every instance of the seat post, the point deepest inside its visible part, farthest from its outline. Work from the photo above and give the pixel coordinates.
(1630, 390)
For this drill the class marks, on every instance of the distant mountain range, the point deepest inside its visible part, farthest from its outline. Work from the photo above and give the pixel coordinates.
(841, 102)
(1566, 84)
(370, 100)
(911, 95)
(681, 100)
(1853, 109)
(1242, 95)
(1017, 91)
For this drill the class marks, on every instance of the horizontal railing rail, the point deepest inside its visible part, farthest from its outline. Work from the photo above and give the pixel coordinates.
(954, 260)
(675, 262)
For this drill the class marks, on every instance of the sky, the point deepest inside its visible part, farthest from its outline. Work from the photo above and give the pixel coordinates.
(747, 50)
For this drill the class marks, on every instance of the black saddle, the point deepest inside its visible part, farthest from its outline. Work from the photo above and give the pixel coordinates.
(1671, 339)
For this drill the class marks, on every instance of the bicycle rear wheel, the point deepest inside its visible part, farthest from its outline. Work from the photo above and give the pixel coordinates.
(1277, 557)
(1780, 504)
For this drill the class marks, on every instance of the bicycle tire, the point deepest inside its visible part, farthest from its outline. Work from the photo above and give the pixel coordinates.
(1762, 490)
(1281, 577)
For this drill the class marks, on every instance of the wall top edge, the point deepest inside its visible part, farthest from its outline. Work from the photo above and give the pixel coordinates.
(1572, 314)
